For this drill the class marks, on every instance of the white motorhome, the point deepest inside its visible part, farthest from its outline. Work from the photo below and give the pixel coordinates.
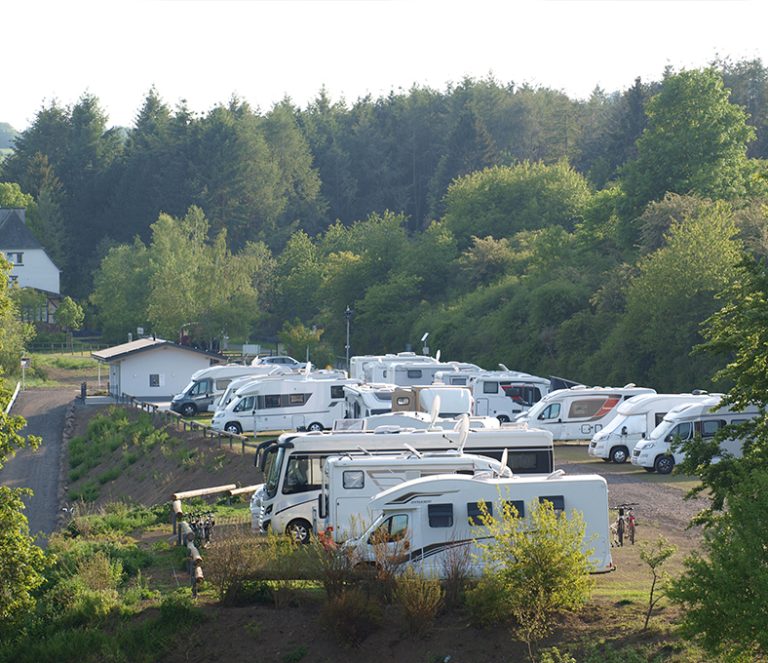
(579, 412)
(293, 464)
(433, 519)
(417, 420)
(358, 365)
(634, 421)
(683, 423)
(349, 483)
(297, 401)
(208, 384)
(363, 400)
(407, 373)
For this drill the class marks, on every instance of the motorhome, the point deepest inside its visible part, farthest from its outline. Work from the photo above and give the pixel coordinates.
(350, 481)
(634, 421)
(293, 464)
(296, 401)
(365, 400)
(359, 364)
(704, 418)
(405, 373)
(503, 394)
(433, 520)
(579, 412)
(417, 420)
(207, 385)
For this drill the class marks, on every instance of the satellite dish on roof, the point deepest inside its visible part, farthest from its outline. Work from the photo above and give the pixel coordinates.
(463, 428)
(437, 355)
(434, 411)
(504, 456)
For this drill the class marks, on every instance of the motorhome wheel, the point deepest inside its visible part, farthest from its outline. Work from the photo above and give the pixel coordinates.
(664, 464)
(619, 455)
(315, 426)
(189, 409)
(233, 427)
(299, 530)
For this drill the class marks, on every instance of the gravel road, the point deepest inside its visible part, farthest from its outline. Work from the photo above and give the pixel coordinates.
(44, 410)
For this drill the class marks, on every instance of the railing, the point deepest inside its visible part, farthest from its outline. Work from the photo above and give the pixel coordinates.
(13, 398)
(64, 346)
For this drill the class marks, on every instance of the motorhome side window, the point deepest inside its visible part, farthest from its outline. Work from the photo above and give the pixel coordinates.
(709, 428)
(221, 385)
(475, 514)
(490, 387)
(245, 404)
(394, 528)
(414, 372)
(200, 388)
(587, 407)
(519, 507)
(682, 431)
(353, 479)
(552, 411)
(557, 501)
(295, 399)
(440, 515)
(273, 400)
(302, 474)
(337, 391)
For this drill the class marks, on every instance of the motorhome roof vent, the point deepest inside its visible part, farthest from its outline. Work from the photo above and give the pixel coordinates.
(630, 385)
(385, 430)
(557, 474)
(699, 392)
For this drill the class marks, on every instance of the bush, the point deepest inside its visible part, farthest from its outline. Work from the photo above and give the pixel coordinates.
(486, 603)
(419, 599)
(352, 616)
(334, 565)
(455, 575)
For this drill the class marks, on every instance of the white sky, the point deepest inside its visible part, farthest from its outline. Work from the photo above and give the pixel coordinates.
(205, 51)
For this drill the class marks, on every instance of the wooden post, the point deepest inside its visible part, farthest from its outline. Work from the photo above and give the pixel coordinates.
(185, 533)
(177, 515)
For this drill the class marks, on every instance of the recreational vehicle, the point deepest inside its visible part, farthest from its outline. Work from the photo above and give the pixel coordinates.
(634, 421)
(349, 483)
(406, 373)
(433, 520)
(365, 400)
(684, 423)
(297, 401)
(579, 412)
(293, 464)
(208, 384)
(359, 364)
(417, 420)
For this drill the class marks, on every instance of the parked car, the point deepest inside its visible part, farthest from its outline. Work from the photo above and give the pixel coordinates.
(279, 360)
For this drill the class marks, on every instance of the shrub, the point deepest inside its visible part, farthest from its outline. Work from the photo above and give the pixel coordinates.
(419, 599)
(352, 616)
(334, 565)
(455, 575)
(486, 603)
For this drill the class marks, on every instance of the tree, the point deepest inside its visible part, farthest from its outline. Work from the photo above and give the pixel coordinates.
(654, 555)
(540, 567)
(69, 316)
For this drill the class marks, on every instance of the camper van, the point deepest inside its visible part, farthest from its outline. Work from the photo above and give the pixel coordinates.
(431, 520)
(683, 423)
(634, 421)
(297, 401)
(407, 373)
(207, 385)
(293, 464)
(579, 412)
(417, 420)
(359, 365)
(349, 483)
(365, 400)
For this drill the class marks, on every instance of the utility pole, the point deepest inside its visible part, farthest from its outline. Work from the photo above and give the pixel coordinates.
(348, 313)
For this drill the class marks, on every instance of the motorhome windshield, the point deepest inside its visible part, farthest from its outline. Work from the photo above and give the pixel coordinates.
(627, 425)
(537, 409)
(199, 387)
(668, 430)
(273, 462)
(523, 394)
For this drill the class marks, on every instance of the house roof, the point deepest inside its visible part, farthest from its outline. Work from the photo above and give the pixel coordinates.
(142, 345)
(14, 233)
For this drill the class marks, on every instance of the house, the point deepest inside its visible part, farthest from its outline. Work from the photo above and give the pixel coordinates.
(153, 368)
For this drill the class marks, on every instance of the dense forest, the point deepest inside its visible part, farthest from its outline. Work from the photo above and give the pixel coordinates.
(586, 238)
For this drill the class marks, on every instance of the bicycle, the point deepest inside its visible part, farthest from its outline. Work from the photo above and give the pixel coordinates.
(625, 524)
(202, 525)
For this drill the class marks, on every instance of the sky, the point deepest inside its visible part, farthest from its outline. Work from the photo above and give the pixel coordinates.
(206, 51)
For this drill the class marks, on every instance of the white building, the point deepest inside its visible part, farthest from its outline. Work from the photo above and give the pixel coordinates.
(32, 268)
(153, 368)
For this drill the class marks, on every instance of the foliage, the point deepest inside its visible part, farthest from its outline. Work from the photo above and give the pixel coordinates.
(420, 599)
(69, 314)
(352, 616)
(655, 555)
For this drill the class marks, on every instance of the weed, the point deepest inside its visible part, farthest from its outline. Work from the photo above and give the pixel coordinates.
(419, 599)
(254, 629)
(352, 616)
(109, 475)
(87, 493)
(296, 655)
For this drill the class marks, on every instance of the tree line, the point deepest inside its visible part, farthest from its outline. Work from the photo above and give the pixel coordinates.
(585, 238)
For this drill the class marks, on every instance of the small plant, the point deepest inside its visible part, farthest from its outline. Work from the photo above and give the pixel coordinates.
(352, 616)
(296, 655)
(420, 599)
(109, 475)
(334, 565)
(455, 575)
(654, 555)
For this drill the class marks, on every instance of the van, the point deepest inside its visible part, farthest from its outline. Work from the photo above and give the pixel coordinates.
(406, 373)
(579, 412)
(683, 423)
(360, 366)
(434, 520)
(207, 385)
(634, 421)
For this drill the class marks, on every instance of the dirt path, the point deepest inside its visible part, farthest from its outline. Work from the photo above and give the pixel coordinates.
(44, 411)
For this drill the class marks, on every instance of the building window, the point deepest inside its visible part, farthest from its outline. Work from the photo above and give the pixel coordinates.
(154, 379)
(15, 257)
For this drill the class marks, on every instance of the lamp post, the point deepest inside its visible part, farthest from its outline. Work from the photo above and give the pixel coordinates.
(348, 313)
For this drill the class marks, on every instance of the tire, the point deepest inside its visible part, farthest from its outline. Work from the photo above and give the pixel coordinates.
(299, 530)
(233, 427)
(315, 425)
(664, 464)
(189, 410)
(619, 455)
(503, 419)
(649, 469)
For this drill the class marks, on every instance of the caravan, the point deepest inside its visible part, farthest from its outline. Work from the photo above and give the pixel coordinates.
(634, 421)
(207, 385)
(293, 464)
(365, 400)
(360, 366)
(408, 373)
(311, 401)
(579, 412)
(684, 423)
(431, 520)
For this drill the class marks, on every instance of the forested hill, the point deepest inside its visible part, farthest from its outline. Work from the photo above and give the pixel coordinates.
(587, 238)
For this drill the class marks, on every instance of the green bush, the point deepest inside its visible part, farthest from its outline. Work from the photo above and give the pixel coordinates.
(352, 616)
(420, 599)
(486, 604)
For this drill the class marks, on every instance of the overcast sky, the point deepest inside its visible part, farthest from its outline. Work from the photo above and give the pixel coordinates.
(204, 51)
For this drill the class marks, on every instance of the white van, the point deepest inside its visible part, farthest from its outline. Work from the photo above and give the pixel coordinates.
(311, 401)
(579, 412)
(634, 421)
(416, 420)
(349, 483)
(360, 365)
(293, 464)
(684, 423)
(207, 385)
(405, 373)
(433, 519)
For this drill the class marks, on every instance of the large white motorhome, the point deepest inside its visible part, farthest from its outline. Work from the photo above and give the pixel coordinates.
(503, 394)
(434, 520)
(297, 401)
(407, 373)
(349, 483)
(634, 421)
(208, 384)
(579, 412)
(358, 365)
(684, 423)
(417, 420)
(365, 400)
(293, 464)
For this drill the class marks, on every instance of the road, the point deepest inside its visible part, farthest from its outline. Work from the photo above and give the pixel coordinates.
(44, 410)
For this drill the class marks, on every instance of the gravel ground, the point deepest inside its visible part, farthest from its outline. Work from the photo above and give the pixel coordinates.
(44, 411)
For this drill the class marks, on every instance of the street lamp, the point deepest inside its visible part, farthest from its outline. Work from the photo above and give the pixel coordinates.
(425, 347)
(348, 313)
